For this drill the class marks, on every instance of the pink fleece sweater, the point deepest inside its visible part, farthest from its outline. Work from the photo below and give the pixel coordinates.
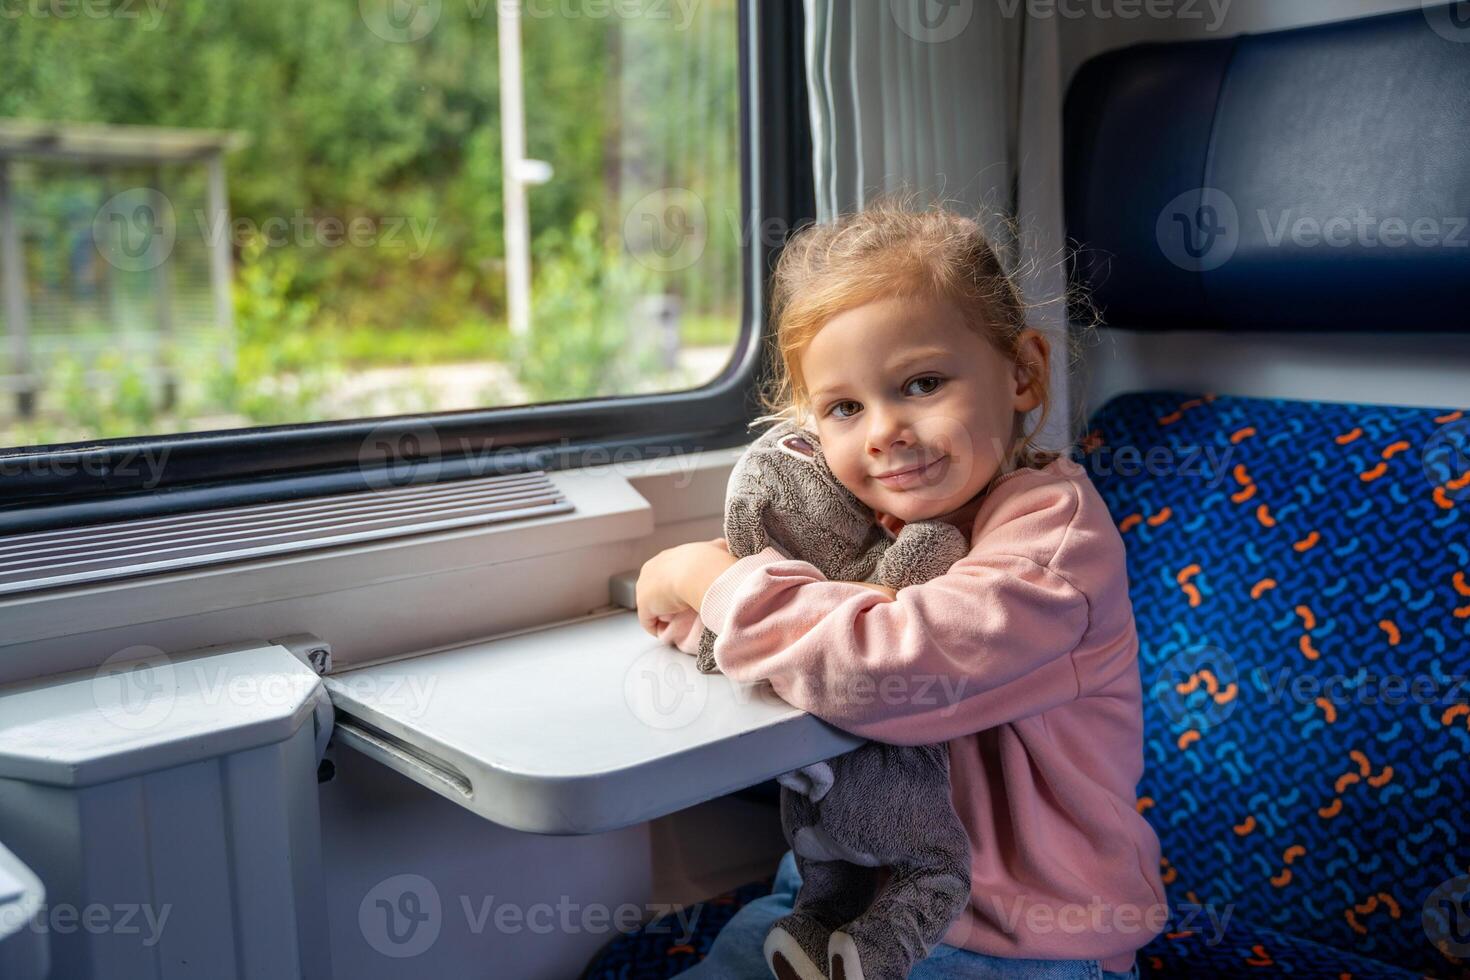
(1022, 657)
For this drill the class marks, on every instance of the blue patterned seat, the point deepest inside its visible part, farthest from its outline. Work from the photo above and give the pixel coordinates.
(1288, 561)
(655, 951)
(1300, 576)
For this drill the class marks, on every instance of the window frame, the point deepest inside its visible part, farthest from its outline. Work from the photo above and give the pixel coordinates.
(107, 480)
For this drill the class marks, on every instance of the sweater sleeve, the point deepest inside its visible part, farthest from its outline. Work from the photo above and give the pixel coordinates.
(986, 643)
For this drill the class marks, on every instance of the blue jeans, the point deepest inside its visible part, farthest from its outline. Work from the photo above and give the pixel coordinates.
(737, 951)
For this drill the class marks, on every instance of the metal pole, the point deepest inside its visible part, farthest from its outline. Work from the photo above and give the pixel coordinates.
(163, 293)
(512, 152)
(13, 285)
(112, 314)
(221, 260)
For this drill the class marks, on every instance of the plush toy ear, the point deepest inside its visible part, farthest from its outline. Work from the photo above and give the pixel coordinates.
(800, 447)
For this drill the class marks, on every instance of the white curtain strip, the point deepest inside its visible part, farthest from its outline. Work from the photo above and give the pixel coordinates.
(1043, 275)
(912, 95)
(959, 103)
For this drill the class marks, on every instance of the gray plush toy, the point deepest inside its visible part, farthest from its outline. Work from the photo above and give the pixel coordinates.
(884, 860)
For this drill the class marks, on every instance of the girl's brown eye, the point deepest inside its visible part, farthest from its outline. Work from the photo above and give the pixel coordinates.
(836, 406)
(928, 377)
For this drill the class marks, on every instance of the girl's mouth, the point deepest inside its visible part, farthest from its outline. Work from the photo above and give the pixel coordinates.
(915, 477)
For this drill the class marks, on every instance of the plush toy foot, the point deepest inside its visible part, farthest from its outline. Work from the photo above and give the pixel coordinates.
(796, 948)
(843, 960)
(851, 957)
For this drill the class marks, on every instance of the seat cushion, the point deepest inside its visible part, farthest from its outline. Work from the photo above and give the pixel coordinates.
(1300, 577)
(1245, 950)
(657, 950)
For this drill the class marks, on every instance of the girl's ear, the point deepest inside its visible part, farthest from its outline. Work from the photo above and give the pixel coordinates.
(1033, 353)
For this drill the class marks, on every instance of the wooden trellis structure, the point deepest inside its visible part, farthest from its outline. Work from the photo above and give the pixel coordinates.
(99, 149)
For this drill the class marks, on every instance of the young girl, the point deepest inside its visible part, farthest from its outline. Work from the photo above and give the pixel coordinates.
(903, 346)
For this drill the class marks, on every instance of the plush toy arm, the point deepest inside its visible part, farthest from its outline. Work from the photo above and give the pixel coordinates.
(706, 654)
(923, 550)
(870, 563)
(745, 525)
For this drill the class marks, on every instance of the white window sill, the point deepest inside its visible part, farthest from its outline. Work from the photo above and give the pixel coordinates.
(385, 598)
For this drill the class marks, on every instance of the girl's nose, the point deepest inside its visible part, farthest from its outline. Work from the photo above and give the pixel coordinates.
(887, 431)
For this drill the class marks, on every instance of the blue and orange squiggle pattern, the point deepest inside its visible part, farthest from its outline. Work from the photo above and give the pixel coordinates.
(1285, 560)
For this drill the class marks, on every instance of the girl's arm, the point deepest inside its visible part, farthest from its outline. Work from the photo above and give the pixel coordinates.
(677, 579)
(986, 643)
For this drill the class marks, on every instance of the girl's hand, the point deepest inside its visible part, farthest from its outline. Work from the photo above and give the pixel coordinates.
(676, 579)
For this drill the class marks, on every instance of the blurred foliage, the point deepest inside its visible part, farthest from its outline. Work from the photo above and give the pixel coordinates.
(343, 125)
(588, 339)
(278, 368)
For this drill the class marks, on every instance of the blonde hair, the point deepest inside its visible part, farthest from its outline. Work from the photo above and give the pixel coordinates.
(890, 249)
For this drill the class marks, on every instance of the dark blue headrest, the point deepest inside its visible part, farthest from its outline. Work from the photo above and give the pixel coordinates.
(1313, 179)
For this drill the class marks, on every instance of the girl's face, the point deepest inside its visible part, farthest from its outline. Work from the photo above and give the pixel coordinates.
(915, 410)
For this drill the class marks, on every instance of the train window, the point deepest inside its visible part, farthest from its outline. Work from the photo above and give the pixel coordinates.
(218, 217)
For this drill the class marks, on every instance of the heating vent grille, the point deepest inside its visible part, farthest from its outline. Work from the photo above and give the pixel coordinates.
(76, 556)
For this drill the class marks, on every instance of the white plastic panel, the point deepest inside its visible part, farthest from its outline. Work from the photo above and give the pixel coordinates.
(151, 711)
(578, 728)
(24, 954)
(177, 795)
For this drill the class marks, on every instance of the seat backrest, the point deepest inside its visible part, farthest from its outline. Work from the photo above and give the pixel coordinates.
(1304, 180)
(1300, 577)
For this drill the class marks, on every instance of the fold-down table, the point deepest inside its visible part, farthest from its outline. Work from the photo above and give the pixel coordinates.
(577, 728)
